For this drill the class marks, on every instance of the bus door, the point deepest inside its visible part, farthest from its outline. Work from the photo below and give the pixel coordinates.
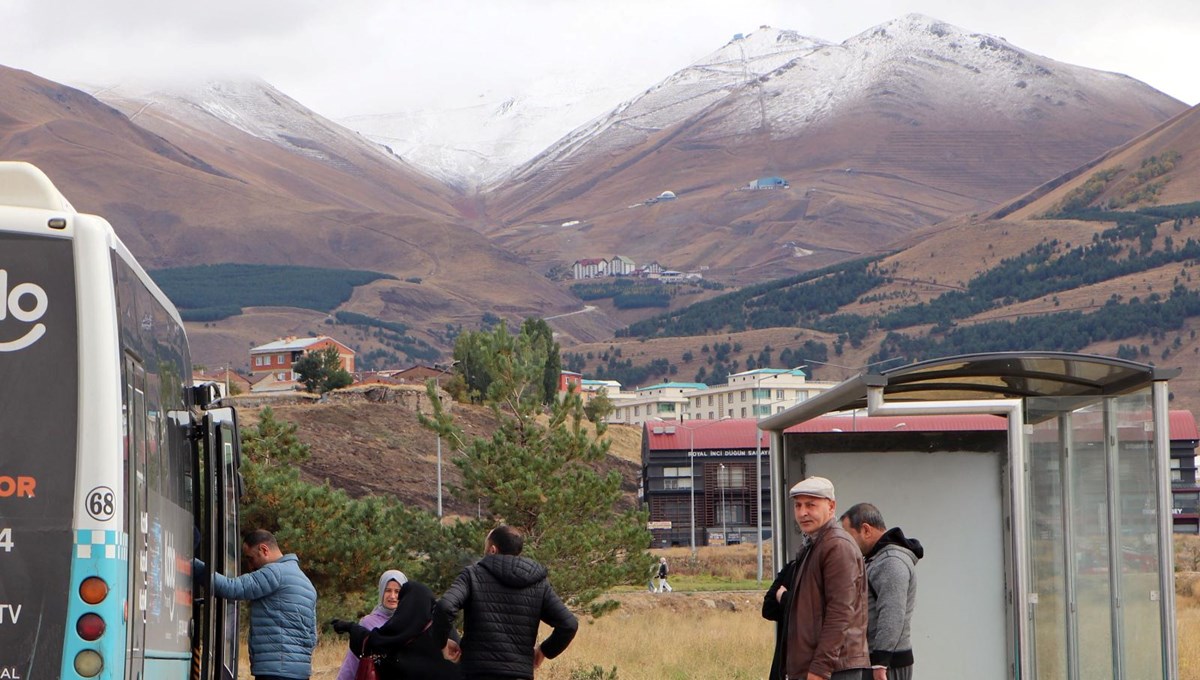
(136, 518)
(221, 544)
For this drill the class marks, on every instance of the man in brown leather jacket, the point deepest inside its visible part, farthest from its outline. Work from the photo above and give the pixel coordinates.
(825, 606)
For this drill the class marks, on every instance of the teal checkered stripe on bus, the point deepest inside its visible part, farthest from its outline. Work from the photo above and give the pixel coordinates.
(109, 545)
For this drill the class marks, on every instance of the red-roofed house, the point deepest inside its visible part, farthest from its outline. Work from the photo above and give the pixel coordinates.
(280, 356)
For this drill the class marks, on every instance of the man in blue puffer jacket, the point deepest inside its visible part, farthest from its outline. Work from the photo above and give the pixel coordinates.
(283, 608)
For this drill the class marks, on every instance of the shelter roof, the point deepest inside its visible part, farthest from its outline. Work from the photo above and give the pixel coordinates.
(996, 375)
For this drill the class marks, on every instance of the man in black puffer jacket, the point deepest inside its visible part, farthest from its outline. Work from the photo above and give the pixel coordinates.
(504, 597)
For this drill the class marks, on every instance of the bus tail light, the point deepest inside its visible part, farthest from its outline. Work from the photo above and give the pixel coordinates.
(89, 663)
(90, 627)
(93, 590)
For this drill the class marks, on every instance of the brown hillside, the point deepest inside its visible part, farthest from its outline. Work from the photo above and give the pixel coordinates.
(182, 187)
(945, 257)
(381, 449)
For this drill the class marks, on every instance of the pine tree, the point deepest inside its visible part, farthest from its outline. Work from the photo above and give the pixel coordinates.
(343, 543)
(539, 473)
(321, 370)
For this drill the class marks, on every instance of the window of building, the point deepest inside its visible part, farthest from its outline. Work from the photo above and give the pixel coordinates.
(779, 394)
(731, 513)
(743, 411)
(710, 415)
(729, 413)
(710, 401)
(666, 408)
(1186, 502)
(1183, 470)
(258, 361)
(637, 410)
(677, 478)
(762, 409)
(760, 393)
(731, 477)
(743, 395)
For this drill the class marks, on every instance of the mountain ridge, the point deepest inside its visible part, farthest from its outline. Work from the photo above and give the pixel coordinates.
(241, 173)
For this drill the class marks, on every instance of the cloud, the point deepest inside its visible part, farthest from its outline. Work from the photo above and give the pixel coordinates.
(360, 56)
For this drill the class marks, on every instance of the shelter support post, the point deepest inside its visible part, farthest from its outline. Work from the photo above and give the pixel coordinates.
(1013, 409)
(1166, 557)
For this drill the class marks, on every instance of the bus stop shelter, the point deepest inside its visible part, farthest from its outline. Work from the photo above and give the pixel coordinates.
(1048, 532)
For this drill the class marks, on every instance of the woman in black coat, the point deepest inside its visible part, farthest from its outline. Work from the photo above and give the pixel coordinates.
(403, 645)
(775, 608)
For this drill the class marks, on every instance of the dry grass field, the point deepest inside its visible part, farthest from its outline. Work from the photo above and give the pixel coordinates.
(652, 637)
(1187, 628)
(701, 635)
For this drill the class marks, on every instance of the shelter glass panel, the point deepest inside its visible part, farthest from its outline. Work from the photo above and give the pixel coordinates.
(1048, 548)
(1138, 560)
(1088, 477)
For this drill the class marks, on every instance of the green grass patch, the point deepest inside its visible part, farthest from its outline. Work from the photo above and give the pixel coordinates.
(703, 583)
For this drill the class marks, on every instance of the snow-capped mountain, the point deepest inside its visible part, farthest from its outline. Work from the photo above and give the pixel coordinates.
(270, 131)
(477, 145)
(913, 68)
(890, 131)
(467, 146)
(250, 105)
(738, 63)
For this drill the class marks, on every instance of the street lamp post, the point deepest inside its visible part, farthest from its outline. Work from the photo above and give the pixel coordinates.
(445, 367)
(692, 485)
(758, 492)
(721, 483)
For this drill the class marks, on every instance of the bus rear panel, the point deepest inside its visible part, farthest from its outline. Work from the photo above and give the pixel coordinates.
(38, 432)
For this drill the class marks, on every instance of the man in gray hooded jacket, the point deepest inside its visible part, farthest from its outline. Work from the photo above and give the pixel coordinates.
(891, 559)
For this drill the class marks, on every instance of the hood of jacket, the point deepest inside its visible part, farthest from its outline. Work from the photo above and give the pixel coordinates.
(895, 537)
(513, 571)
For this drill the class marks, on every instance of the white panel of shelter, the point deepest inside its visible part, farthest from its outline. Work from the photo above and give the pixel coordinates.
(951, 502)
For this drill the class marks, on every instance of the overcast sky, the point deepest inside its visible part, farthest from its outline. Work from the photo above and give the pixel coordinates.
(349, 57)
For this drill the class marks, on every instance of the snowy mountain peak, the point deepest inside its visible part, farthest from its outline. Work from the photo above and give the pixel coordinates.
(251, 105)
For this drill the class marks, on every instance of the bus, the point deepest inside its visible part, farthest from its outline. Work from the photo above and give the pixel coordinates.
(114, 470)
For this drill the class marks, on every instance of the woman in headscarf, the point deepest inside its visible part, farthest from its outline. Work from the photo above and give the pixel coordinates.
(390, 583)
(403, 645)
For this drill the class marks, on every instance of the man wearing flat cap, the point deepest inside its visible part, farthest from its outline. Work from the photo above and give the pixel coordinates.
(820, 599)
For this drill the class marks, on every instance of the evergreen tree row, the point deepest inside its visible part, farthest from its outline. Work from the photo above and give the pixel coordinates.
(218, 289)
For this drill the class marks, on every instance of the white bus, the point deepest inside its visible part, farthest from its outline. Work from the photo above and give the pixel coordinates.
(113, 474)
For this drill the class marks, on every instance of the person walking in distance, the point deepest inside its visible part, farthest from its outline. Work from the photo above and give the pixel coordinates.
(663, 586)
(891, 559)
(283, 608)
(503, 598)
(825, 622)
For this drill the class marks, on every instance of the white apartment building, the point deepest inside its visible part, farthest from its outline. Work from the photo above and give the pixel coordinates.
(750, 394)
(754, 394)
(665, 401)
